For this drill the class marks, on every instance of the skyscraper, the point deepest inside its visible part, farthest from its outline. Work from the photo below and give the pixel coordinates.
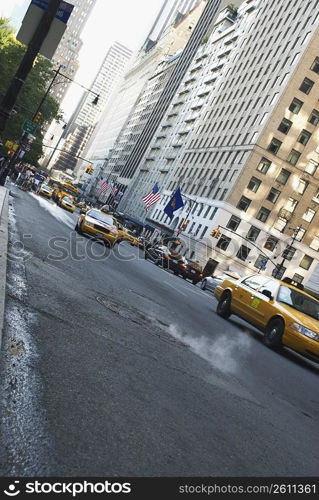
(245, 138)
(67, 52)
(86, 115)
(162, 41)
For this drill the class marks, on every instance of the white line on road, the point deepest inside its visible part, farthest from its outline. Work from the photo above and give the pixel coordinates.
(174, 288)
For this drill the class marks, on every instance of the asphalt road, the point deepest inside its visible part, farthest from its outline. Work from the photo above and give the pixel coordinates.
(112, 366)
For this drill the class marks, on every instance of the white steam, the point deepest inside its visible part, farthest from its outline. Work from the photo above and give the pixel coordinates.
(222, 352)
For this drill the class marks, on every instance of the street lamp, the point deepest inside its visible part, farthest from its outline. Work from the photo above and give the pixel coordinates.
(279, 269)
(36, 117)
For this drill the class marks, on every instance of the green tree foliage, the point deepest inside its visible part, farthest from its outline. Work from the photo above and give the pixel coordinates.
(29, 98)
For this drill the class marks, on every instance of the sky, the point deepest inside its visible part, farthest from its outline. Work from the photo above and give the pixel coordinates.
(124, 21)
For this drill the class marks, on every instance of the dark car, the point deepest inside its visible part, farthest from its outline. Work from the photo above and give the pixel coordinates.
(194, 272)
(174, 262)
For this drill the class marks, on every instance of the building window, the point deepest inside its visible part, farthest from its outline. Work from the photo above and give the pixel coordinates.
(274, 146)
(264, 165)
(263, 214)
(304, 137)
(315, 243)
(311, 167)
(254, 184)
(298, 278)
(243, 252)
(290, 205)
(223, 242)
(289, 252)
(306, 86)
(295, 105)
(299, 234)
(271, 243)
(243, 203)
(309, 215)
(233, 223)
(314, 117)
(306, 262)
(280, 224)
(285, 125)
(315, 66)
(302, 186)
(253, 233)
(283, 176)
(273, 195)
(293, 157)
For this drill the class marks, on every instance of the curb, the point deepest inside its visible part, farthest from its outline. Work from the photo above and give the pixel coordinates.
(4, 212)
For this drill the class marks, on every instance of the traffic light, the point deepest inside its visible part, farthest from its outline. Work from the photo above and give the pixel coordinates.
(37, 117)
(89, 170)
(215, 233)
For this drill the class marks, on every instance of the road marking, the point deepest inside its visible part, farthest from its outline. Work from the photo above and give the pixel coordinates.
(174, 288)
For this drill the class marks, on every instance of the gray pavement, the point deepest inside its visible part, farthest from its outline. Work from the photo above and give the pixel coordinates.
(114, 367)
(3, 251)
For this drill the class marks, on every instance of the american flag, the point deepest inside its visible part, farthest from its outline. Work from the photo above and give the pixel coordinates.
(103, 185)
(152, 197)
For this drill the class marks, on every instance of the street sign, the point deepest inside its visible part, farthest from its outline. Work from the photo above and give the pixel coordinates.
(32, 19)
(30, 127)
(263, 264)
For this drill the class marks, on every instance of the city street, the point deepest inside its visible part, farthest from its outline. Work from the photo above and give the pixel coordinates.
(112, 366)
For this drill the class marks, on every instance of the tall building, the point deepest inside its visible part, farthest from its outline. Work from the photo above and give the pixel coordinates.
(162, 41)
(86, 115)
(67, 52)
(244, 144)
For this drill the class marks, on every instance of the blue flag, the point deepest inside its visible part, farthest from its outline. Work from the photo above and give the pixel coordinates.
(174, 203)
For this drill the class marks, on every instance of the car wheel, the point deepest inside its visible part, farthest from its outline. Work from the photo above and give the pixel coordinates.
(203, 285)
(273, 333)
(223, 306)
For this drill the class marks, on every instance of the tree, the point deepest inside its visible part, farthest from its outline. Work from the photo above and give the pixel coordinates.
(35, 86)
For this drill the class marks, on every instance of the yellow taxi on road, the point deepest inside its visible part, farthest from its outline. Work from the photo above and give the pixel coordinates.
(127, 235)
(285, 313)
(46, 191)
(99, 225)
(68, 204)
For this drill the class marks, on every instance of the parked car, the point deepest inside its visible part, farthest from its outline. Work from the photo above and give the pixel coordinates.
(210, 282)
(174, 262)
(283, 312)
(98, 225)
(194, 272)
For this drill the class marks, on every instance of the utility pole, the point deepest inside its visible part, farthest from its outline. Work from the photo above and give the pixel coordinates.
(278, 269)
(26, 64)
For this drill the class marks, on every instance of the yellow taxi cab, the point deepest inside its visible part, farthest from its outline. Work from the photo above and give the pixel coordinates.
(99, 225)
(284, 312)
(46, 191)
(68, 204)
(127, 235)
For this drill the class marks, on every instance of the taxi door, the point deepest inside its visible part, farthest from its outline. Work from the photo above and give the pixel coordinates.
(246, 300)
(261, 307)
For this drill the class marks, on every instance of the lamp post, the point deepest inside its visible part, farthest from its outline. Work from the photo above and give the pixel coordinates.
(279, 270)
(35, 118)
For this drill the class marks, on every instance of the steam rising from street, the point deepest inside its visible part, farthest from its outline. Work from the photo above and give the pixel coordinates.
(222, 352)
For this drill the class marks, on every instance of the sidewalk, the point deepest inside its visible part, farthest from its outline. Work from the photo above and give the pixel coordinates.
(4, 208)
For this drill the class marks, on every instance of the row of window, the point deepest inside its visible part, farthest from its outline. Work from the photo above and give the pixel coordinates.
(244, 251)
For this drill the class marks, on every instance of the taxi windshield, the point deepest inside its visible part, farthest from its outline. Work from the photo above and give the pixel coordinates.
(68, 200)
(299, 301)
(96, 214)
